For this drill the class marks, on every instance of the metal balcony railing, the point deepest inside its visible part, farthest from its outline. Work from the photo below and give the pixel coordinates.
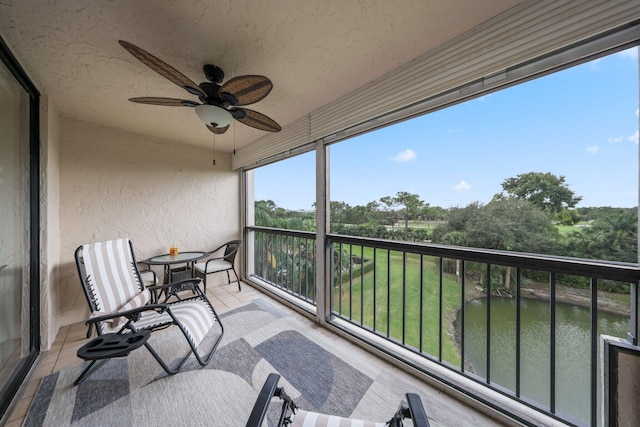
(286, 260)
(447, 305)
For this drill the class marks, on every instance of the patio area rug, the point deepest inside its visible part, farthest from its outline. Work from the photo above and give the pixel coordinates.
(259, 339)
(319, 371)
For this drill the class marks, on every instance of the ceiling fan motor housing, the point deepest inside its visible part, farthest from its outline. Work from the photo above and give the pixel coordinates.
(213, 73)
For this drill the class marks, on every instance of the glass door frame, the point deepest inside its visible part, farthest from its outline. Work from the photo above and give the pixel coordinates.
(8, 393)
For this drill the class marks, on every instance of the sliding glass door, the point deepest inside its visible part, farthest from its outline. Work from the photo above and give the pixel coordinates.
(18, 228)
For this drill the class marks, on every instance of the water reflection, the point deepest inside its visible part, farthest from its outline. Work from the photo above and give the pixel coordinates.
(572, 349)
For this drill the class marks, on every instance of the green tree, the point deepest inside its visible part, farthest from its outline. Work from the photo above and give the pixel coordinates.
(264, 212)
(410, 204)
(549, 192)
(505, 224)
(569, 217)
(433, 213)
(338, 212)
(376, 215)
(356, 215)
(612, 236)
(268, 214)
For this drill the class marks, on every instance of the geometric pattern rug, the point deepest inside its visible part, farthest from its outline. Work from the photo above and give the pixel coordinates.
(317, 370)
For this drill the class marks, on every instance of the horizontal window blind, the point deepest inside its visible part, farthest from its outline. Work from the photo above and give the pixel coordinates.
(273, 144)
(528, 31)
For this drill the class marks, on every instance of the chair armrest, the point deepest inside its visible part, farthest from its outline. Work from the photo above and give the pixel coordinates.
(127, 313)
(259, 410)
(208, 260)
(418, 414)
(223, 246)
(143, 266)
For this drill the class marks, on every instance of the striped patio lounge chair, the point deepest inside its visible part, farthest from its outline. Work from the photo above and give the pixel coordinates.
(121, 304)
(292, 416)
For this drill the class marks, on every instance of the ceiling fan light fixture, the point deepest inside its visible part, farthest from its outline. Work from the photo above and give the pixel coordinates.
(214, 116)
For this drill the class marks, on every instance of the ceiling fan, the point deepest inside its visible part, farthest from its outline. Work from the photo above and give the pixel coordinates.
(219, 103)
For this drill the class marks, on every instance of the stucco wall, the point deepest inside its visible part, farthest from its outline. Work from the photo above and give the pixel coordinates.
(49, 220)
(114, 183)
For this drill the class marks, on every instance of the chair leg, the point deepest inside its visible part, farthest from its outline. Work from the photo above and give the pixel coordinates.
(90, 369)
(161, 362)
(204, 359)
(237, 278)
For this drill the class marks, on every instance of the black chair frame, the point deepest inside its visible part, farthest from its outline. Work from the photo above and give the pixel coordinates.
(230, 251)
(413, 410)
(162, 298)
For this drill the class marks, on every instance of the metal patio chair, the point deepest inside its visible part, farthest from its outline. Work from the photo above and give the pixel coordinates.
(292, 416)
(148, 276)
(121, 304)
(224, 261)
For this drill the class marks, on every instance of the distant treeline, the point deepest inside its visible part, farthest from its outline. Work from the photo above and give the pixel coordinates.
(602, 233)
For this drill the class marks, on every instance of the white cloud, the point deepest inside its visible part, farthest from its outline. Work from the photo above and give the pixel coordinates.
(616, 139)
(593, 149)
(634, 138)
(405, 156)
(637, 111)
(462, 186)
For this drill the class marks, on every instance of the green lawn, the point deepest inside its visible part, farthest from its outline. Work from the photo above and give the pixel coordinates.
(390, 300)
(566, 229)
(421, 224)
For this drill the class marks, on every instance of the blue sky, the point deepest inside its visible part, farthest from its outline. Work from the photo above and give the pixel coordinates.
(581, 123)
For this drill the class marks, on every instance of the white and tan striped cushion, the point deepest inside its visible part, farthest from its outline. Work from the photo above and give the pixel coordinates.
(314, 419)
(111, 274)
(213, 266)
(113, 325)
(194, 315)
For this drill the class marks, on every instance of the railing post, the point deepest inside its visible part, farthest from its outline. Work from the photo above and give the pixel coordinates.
(634, 319)
(323, 273)
(247, 207)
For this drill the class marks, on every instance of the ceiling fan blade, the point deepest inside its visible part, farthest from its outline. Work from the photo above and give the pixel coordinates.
(218, 131)
(255, 119)
(162, 68)
(247, 89)
(169, 102)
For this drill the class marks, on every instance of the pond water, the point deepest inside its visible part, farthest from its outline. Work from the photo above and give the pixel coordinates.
(572, 349)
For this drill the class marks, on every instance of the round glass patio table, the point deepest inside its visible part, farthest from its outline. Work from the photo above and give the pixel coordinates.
(173, 274)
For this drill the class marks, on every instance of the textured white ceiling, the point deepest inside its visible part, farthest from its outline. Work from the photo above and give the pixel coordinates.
(313, 51)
